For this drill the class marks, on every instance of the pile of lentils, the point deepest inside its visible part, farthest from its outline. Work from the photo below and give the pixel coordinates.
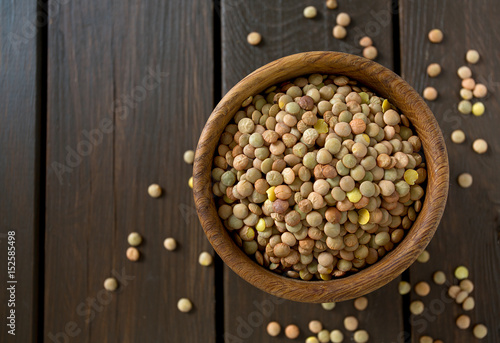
(318, 177)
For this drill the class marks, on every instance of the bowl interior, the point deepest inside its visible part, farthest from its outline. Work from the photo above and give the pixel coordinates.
(384, 83)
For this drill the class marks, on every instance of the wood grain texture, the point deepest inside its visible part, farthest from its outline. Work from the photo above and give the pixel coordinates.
(19, 164)
(138, 76)
(469, 231)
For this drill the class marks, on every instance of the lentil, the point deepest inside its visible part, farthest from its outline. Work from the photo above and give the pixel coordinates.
(458, 136)
(190, 182)
(361, 303)
(433, 70)
(465, 180)
(331, 4)
(417, 307)
(464, 72)
(110, 284)
(468, 304)
(324, 336)
(365, 42)
(480, 331)
(273, 329)
(472, 56)
(370, 52)
(205, 259)
(315, 326)
(478, 109)
(361, 336)
(343, 19)
(422, 289)
(426, 339)
(480, 90)
(339, 32)
(436, 36)
(480, 146)
(170, 244)
(336, 336)
(466, 285)
(404, 287)
(292, 331)
(310, 12)
(461, 273)
(439, 278)
(424, 257)
(133, 254)
(465, 107)
(154, 191)
(453, 291)
(463, 322)
(328, 306)
(466, 94)
(189, 156)
(312, 339)
(430, 93)
(350, 323)
(184, 305)
(254, 38)
(134, 239)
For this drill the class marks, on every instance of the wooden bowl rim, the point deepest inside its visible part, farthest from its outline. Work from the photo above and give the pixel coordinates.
(384, 83)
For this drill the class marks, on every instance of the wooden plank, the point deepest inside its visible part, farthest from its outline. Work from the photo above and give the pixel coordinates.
(469, 230)
(139, 78)
(19, 168)
(285, 31)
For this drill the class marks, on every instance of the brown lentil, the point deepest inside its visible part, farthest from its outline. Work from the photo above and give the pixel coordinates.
(154, 191)
(331, 4)
(315, 326)
(273, 329)
(339, 32)
(350, 323)
(361, 303)
(292, 331)
(133, 254)
(254, 38)
(110, 284)
(370, 52)
(343, 19)
(417, 307)
(430, 93)
(433, 70)
(480, 331)
(422, 289)
(436, 36)
(463, 322)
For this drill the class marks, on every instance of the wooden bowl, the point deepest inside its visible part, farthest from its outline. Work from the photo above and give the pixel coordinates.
(384, 83)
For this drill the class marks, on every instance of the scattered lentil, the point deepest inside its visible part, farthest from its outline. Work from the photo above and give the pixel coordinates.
(110, 284)
(424, 257)
(134, 239)
(189, 156)
(336, 336)
(350, 323)
(464, 72)
(478, 109)
(273, 329)
(292, 331)
(170, 244)
(461, 272)
(154, 190)
(365, 42)
(480, 331)
(458, 136)
(315, 326)
(466, 94)
(310, 12)
(466, 285)
(430, 93)
(468, 83)
(184, 305)
(453, 291)
(468, 304)
(205, 259)
(361, 336)
(426, 339)
(324, 336)
(254, 38)
(417, 307)
(422, 289)
(439, 278)
(433, 70)
(190, 182)
(370, 52)
(328, 306)
(361, 303)
(465, 180)
(480, 91)
(404, 287)
(472, 56)
(313, 339)
(343, 19)
(331, 4)
(339, 32)
(463, 322)
(480, 146)
(436, 36)
(133, 254)
(465, 106)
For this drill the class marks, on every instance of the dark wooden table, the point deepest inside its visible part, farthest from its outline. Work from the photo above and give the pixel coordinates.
(99, 99)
